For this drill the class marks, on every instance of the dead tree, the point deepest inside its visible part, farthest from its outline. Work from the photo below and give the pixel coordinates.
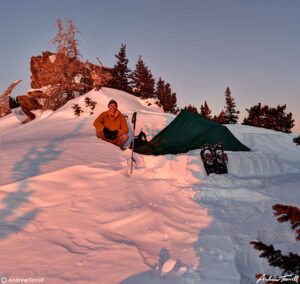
(60, 39)
(65, 41)
(72, 41)
(98, 82)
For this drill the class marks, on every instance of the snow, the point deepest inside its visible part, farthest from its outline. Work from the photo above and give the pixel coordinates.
(168, 266)
(42, 89)
(78, 78)
(17, 81)
(70, 213)
(52, 58)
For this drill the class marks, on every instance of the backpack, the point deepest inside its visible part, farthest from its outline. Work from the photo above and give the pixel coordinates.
(140, 140)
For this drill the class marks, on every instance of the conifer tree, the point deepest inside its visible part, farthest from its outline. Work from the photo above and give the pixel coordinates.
(256, 116)
(279, 120)
(231, 114)
(220, 118)
(87, 101)
(160, 88)
(205, 111)
(191, 108)
(77, 109)
(297, 140)
(142, 80)
(270, 118)
(166, 98)
(121, 71)
(171, 100)
(90, 103)
(290, 264)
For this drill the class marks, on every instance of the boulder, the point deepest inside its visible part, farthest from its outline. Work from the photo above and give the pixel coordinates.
(28, 104)
(4, 99)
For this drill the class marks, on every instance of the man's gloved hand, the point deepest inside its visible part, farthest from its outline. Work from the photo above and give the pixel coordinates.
(114, 134)
(108, 134)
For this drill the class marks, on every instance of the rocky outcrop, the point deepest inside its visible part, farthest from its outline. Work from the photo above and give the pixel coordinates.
(4, 99)
(57, 78)
(60, 78)
(56, 68)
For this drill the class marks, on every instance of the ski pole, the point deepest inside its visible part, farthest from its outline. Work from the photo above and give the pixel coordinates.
(133, 121)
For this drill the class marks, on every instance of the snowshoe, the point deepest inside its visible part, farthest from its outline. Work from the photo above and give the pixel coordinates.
(221, 159)
(208, 159)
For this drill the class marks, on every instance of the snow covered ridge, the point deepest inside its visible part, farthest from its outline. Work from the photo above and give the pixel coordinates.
(70, 214)
(273, 152)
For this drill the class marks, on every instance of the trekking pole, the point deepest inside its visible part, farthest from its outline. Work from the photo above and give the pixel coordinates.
(133, 121)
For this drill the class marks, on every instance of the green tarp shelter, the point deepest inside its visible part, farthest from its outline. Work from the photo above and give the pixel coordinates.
(190, 131)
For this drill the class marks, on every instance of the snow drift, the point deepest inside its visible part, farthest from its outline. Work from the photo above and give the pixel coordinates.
(70, 213)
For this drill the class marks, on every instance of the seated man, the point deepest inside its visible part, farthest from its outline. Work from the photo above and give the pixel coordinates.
(112, 126)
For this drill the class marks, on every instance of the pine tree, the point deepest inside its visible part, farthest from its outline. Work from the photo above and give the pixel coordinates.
(231, 114)
(160, 88)
(297, 140)
(142, 80)
(90, 103)
(279, 120)
(160, 91)
(205, 111)
(256, 116)
(220, 118)
(171, 100)
(270, 118)
(121, 71)
(87, 101)
(191, 108)
(77, 109)
(290, 264)
(166, 98)
(291, 214)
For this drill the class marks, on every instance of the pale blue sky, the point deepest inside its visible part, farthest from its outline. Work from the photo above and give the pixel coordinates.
(200, 47)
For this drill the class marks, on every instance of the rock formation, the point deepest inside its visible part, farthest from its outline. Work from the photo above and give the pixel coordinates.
(56, 78)
(60, 78)
(4, 99)
(56, 68)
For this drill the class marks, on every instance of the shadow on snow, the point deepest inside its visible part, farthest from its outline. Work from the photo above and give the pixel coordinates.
(28, 167)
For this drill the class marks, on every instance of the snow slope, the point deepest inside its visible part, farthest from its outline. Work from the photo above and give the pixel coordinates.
(70, 213)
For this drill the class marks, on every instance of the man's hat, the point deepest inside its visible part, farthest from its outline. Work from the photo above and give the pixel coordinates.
(112, 102)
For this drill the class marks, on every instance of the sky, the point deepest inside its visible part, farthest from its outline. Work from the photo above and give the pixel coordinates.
(199, 47)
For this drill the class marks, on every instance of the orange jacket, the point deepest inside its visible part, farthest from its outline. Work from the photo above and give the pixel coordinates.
(117, 122)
